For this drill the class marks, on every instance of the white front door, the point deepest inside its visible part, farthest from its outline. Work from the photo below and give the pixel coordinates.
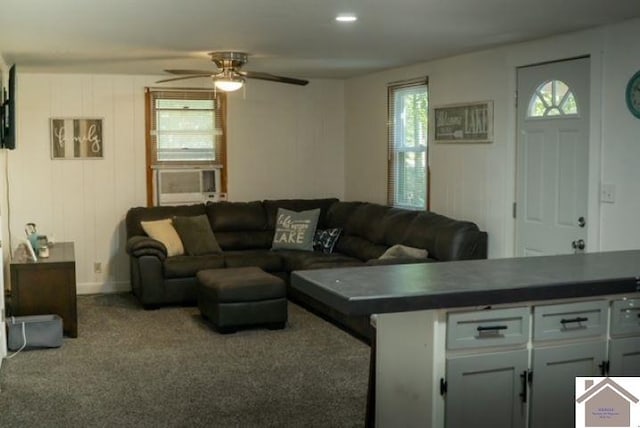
(552, 158)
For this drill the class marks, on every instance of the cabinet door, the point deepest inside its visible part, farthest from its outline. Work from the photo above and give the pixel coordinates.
(624, 357)
(553, 386)
(487, 390)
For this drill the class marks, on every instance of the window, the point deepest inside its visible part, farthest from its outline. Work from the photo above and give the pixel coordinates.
(407, 170)
(184, 128)
(552, 98)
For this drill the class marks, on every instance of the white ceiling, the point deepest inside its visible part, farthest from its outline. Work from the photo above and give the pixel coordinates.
(297, 38)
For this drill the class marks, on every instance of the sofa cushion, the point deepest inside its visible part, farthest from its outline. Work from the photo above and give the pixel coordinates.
(301, 260)
(163, 231)
(196, 235)
(271, 208)
(444, 237)
(295, 230)
(244, 240)
(354, 246)
(188, 266)
(267, 260)
(395, 224)
(236, 216)
(339, 213)
(137, 214)
(366, 221)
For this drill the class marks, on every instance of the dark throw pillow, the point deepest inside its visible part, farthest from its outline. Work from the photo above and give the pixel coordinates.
(325, 240)
(295, 230)
(196, 235)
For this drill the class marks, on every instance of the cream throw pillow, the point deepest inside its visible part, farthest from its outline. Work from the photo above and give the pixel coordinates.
(163, 231)
(404, 252)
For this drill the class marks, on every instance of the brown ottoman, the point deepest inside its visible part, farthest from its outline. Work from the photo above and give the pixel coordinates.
(238, 297)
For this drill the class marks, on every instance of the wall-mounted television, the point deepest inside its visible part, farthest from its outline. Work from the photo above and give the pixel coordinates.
(3, 102)
(9, 112)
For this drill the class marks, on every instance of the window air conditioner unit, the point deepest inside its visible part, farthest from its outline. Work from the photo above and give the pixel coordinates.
(188, 186)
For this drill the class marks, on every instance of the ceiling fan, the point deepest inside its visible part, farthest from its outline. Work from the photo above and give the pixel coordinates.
(229, 76)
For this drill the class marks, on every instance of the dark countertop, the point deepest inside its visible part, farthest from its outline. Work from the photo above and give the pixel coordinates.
(400, 288)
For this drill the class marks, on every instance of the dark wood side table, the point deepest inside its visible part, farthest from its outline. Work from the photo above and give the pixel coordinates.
(47, 286)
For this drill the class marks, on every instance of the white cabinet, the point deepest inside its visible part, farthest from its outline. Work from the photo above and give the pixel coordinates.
(481, 388)
(554, 371)
(569, 340)
(487, 328)
(483, 370)
(516, 366)
(570, 320)
(624, 357)
(624, 346)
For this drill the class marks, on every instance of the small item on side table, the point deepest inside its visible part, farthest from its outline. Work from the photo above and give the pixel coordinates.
(43, 251)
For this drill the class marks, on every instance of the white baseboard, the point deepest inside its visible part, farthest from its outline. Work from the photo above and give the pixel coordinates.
(103, 287)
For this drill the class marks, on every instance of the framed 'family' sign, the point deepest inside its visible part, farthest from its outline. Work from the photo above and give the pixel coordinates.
(76, 138)
(464, 123)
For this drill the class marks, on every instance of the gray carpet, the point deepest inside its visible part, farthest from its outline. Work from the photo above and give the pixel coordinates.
(131, 367)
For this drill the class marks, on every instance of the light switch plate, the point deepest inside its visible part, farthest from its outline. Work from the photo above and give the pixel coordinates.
(608, 193)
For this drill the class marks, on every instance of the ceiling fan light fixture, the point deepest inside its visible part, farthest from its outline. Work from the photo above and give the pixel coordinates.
(228, 81)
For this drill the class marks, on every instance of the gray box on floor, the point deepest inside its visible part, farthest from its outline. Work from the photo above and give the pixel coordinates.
(39, 331)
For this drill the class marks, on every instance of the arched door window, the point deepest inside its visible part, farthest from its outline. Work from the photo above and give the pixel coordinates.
(552, 98)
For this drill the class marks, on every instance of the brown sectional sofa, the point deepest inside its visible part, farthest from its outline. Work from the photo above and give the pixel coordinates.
(244, 231)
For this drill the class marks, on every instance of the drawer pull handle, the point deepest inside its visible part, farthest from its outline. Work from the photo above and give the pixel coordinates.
(492, 328)
(523, 392)
(572, 320)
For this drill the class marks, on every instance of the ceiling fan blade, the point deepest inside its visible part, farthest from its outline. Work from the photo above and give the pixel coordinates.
(272, 77)
(179, 72)
(190, 76)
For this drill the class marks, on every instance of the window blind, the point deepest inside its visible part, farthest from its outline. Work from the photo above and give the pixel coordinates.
(185, 127)
(408, 110)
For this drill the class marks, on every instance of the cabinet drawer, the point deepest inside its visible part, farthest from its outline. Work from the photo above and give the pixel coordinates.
(479, 329)
(570, 320)
(625, 317)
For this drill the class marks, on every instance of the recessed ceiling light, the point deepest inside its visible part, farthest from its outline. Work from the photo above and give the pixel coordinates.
(346, 17)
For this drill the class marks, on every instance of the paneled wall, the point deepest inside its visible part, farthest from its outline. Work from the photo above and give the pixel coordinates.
(477, 181)
(3, 258)
(287, 141)
(274, 150)
(83, 201)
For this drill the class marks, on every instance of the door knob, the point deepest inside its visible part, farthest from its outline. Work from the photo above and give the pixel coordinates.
(581, 221)
(578, 245)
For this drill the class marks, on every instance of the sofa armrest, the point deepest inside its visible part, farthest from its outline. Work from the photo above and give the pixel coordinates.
(138, 246)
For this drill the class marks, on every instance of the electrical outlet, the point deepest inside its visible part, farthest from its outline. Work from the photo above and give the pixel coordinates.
(2, 315)
(97, 267)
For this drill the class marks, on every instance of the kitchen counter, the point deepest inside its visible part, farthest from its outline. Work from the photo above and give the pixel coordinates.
(400, 288)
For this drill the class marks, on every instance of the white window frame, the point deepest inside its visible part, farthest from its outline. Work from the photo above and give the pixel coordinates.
(397, 148)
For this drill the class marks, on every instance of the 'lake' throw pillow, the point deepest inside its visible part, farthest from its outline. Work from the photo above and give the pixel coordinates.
(294, 230)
